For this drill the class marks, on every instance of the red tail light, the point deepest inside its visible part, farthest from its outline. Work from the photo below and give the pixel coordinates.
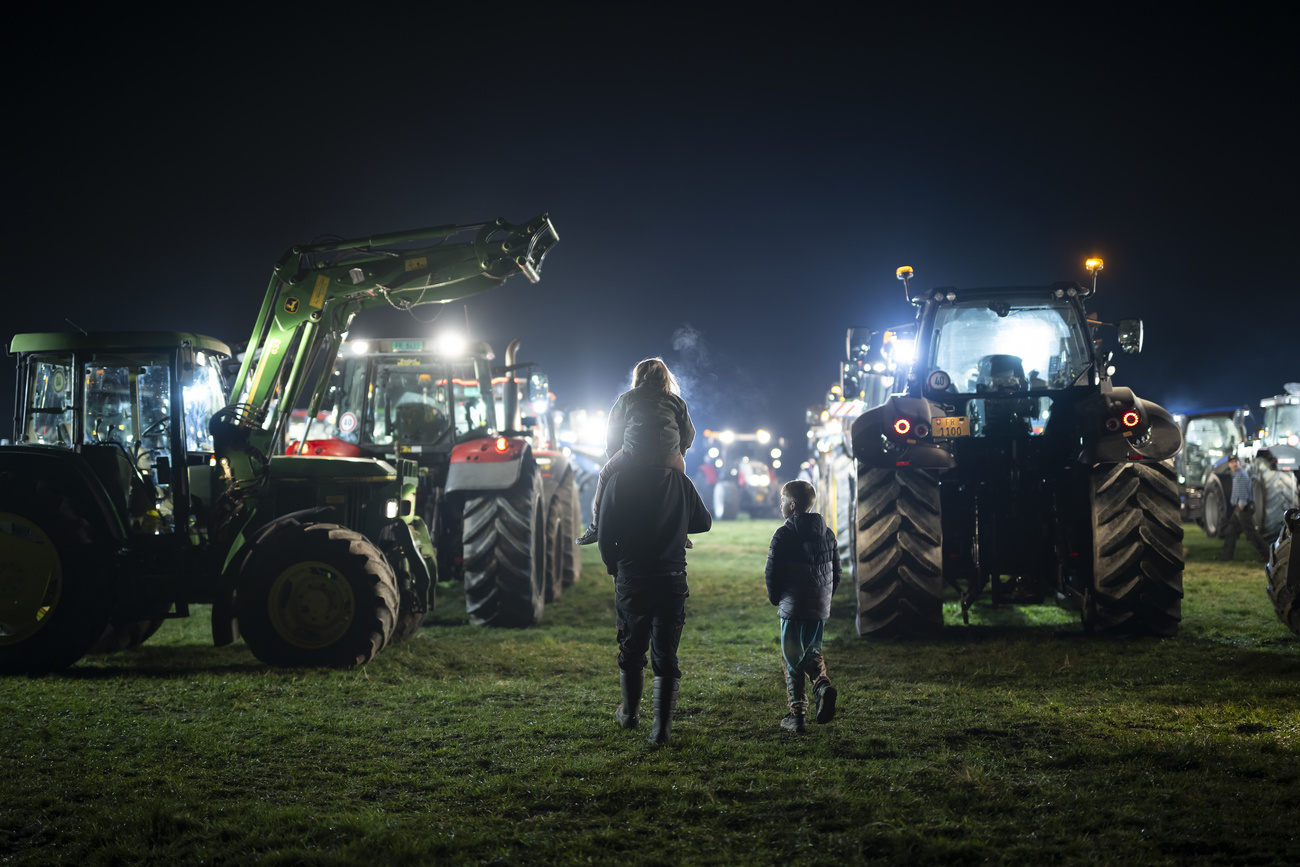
(1131, 419)
(502, 444)
(902, 426)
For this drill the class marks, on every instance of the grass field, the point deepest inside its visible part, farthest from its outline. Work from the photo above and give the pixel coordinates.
(1013, 740)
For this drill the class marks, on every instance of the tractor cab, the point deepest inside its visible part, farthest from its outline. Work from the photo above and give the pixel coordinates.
(135, 407)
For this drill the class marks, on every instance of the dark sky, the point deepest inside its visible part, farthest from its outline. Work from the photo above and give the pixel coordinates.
(747, 184)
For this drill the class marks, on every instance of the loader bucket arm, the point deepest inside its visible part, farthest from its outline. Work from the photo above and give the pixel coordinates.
(316, 290)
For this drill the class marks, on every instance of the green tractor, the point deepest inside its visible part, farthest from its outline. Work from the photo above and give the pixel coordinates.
(1008, 462)
(137, 488)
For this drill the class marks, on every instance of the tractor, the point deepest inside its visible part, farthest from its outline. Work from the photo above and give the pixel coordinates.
(1008, 461)
(137, 487)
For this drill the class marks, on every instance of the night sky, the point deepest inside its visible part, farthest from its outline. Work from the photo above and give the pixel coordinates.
(731, 192)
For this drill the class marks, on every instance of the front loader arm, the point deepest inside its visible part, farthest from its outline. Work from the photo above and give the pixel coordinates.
(316, 290)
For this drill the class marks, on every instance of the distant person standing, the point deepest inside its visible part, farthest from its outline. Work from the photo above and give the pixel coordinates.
(649, 426)
(1241, 502)
(803, 572)
(644, 519)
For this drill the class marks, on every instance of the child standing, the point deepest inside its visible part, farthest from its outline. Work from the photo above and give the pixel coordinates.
(649, 426)
(803, 571)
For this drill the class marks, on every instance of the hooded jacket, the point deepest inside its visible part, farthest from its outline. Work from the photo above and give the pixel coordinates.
(803, 568)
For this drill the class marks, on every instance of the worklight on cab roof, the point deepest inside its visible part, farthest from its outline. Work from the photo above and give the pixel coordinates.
(360, 347)
(450, 344)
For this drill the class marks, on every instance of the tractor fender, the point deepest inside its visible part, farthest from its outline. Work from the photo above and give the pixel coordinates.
(877, 444)
(1155, 438)
(554, 466)
(486, 464)
(74, 477)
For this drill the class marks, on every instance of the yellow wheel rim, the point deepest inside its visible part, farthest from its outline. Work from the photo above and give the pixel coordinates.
(311, 605)
(31, 578)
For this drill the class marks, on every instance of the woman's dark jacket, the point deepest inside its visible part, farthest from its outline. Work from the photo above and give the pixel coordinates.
(803, 568)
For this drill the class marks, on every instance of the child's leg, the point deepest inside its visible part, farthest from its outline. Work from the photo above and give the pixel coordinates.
(613, 465)
(792, 653)
(814, 665)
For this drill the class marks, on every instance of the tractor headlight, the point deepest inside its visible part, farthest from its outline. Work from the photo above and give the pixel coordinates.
(390, 509)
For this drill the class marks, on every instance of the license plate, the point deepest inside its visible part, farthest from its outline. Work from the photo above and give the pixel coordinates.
(951, 426)
(408, 345)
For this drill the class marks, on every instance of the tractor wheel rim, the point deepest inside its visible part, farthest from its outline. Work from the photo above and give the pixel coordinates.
(31, 578)
(311, 605)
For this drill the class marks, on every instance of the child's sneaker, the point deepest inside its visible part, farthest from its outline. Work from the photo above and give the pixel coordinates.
(795, 722)
(588, 536)
(825, 701)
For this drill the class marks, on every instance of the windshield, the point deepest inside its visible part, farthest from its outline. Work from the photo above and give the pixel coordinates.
(1286, 425)
(1034, 347)
(1207, 442)
(411, 400)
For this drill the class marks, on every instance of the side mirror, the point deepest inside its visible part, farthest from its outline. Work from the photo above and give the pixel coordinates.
(1130, 335)
(857, 343)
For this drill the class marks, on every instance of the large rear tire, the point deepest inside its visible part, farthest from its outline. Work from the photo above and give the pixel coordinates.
(55, 597)
(1275, 493)
(316, 595)
(1137, 550)
(505, 554)
(726, 501)
(899, 548)
(1283, 573)
(838, 491)
(554, 581)
(571, 528)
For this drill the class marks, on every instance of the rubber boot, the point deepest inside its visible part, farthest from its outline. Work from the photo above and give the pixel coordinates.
(629, 712)
(824, 695)
(797, 719)
(665, 702)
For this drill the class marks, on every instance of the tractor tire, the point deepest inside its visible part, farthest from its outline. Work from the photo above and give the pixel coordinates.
(571, 528)
(1215, 515)
(899, 547)
(411, 612)
(1275, 493)
(317, 595)
(55, 598)
(726, 501)
(505, 554)
(1137, 551)
(554, 551)
(1283, 574)
(841, 482)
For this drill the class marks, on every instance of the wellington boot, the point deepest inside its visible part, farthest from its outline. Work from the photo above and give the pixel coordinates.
(665, 702)
(795, 722)
(629, 712)
(824, 696)
(795, 690)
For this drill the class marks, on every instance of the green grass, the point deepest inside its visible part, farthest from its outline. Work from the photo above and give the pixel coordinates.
(1015, 739)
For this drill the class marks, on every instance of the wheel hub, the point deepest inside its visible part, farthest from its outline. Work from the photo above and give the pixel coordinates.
(311, 605)
(31, 579)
